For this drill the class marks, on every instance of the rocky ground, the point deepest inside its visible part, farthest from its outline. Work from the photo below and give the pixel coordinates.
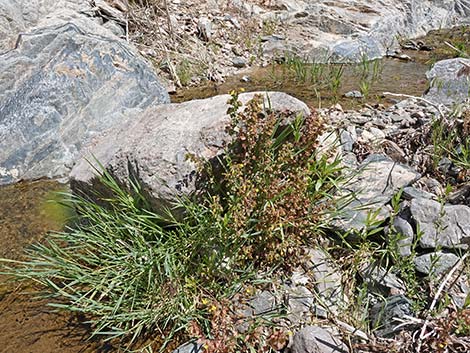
(72, 85)
(212, 40)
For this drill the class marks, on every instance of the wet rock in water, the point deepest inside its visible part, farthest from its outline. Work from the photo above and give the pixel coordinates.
(377, 180)
(354, 94)
(59, 88)
(435, 263)
(354, 50)
(153, 148)
(315, 339)
(382, 314)
(450, 81)
(446, 226)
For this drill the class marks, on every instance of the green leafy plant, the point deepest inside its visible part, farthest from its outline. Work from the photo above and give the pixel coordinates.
(364, 87)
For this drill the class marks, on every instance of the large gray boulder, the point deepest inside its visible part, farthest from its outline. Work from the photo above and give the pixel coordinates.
(441, 226)
(59, 87)
(371, 188)
(347, 30)
(449, 81)
(153, 148)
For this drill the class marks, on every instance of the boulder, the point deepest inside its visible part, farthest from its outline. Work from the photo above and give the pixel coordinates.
(435, 263)
(449, 81)
(315, 339)
(372, 187)
(383, 315)
(59, 87)
(446, 226)
(153, 149)
(345, 31)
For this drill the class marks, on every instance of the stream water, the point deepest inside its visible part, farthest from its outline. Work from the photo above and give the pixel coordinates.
(29, 210)
(373, 78)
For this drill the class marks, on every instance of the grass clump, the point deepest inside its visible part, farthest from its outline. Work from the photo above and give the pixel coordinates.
(134, 272)
(450, 138)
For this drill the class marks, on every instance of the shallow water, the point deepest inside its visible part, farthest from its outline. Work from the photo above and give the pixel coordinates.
(27, 212)
(390, 75)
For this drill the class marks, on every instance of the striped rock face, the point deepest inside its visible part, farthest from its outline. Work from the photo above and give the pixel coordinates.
(62, 85)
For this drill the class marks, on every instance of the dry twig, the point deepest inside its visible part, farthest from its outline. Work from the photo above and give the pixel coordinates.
(423, 334)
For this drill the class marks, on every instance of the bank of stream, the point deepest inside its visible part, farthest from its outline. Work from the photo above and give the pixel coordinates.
(29, 210)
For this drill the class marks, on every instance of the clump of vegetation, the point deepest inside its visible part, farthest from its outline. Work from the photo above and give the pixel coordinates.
(134, 272)
(451, 145)
(275, 185)
(318, 75)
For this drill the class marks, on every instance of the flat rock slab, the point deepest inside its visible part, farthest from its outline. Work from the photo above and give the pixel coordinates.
(450, 81)
(374, 185)
(446, 226)
(315, 339)
(61, 86)
(154, 148)
(435, 263)
(327, 282)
